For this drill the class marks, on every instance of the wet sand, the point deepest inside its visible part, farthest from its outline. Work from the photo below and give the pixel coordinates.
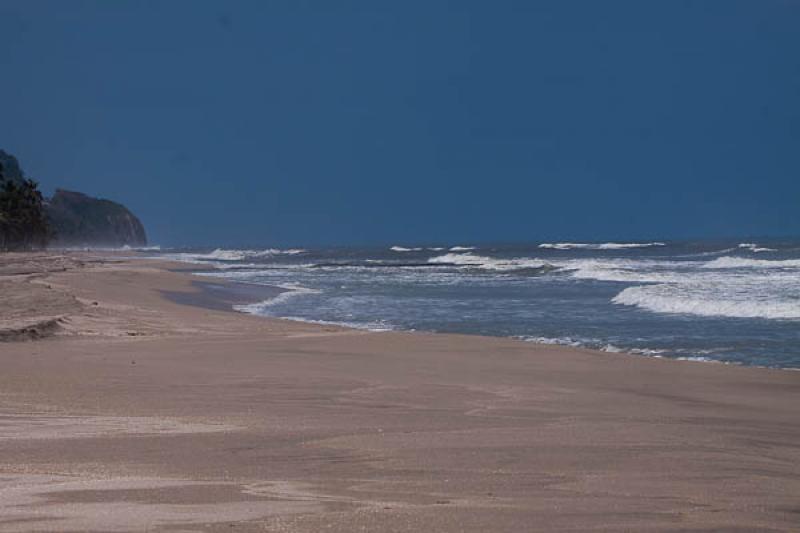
(134, 411)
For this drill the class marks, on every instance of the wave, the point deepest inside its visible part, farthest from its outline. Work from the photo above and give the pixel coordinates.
(753, 247)
(744, 262)
(401, 249)
(559, 341)
(462, 248)
(377, 326)
(123, 248)
(461, 259)
(707, 254)
(696, 359)
(596, 344)
(623, 270)
(598, 246)
(153, 248)
(677, 299)
(490, 263)
(291, 290)
(221, 254)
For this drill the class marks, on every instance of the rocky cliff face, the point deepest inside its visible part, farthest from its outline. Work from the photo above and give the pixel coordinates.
(80, 220)
(67, 219)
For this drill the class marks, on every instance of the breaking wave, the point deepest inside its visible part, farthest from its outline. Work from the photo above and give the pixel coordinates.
(598, 246)
(489, 263)
(753, 247)
(739, 300)
(231, 255)
(153, 248)
(677, 299)
(291, 290)
(744, 262)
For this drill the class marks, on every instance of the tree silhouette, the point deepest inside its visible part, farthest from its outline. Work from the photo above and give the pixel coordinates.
(23, 224)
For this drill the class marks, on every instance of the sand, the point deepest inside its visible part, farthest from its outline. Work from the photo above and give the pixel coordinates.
(131, 400)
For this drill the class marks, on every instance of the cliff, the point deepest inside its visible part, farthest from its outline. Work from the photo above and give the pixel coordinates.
(79, 220)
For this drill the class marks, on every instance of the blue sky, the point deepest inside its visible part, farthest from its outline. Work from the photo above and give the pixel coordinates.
(303, 123)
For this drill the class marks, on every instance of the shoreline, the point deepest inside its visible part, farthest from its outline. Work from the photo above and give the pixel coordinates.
(210, 298)
(141, 412)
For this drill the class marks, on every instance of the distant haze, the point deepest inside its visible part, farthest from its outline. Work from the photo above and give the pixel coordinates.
(308, 123)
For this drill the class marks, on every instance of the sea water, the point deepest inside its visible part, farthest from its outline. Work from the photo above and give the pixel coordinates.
(734, 302)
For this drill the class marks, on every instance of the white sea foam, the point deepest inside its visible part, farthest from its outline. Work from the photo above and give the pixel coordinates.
(744, 262)
(461, 259)
(753, 247)
(708, 300)
(598, 246)
(610, 348)
(697, 359)
(561, 341)
(404, 249)
(592, 343)
(623, 270)
(292, 290)
(153, 248)
(123, 248)
(711, 288)
(487, 263)
(221, 254)
(376, 326)
(462, 248)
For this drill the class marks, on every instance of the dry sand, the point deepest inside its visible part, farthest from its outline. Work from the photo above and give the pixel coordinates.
(125, 410)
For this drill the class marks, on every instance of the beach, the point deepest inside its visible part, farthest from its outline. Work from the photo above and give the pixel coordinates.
(133, 398)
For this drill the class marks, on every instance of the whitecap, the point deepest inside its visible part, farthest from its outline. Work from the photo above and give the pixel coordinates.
(744, 262)
(753, 247)
(707, 300)
(221, 254)
(598, 246)
(487, 263)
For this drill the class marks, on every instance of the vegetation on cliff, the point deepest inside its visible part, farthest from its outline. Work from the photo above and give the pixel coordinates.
(29, 221)
(80, 220)
(23, 223)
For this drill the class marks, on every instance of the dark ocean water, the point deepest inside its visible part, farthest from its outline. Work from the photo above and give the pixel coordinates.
(710, 301)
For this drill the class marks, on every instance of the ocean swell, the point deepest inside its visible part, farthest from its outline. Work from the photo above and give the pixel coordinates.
(598, 246)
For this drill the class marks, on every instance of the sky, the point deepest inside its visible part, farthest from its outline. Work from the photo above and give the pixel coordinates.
(285, 123)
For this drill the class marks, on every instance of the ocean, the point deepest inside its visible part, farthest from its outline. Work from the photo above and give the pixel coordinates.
(732, 302)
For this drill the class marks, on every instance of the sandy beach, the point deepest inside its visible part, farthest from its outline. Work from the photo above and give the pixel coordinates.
(133, 399)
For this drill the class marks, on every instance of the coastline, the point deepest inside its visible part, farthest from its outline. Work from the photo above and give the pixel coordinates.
(227, 294)
(201, 417)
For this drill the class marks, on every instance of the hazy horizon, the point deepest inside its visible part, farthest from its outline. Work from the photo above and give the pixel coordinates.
(281, 124)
